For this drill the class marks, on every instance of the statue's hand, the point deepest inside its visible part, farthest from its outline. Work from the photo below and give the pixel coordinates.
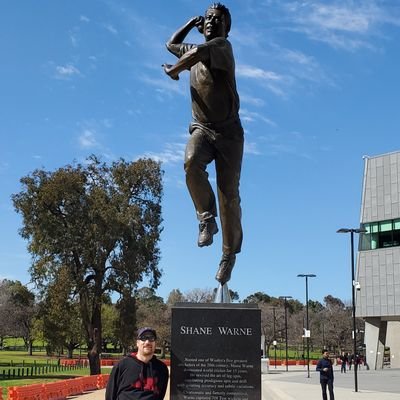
(168, 71)
(199, 23)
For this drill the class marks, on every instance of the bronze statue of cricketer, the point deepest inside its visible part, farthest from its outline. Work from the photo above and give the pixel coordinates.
(216, 133)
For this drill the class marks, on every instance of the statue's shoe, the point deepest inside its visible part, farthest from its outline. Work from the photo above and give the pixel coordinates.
(207, 229)
(225, 268)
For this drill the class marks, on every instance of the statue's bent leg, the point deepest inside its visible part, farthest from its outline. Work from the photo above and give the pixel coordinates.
(199, 153)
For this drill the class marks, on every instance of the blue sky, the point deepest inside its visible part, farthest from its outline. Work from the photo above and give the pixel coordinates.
(319, 89)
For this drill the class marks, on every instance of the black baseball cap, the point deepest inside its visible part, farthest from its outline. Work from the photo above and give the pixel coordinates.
(144, 330)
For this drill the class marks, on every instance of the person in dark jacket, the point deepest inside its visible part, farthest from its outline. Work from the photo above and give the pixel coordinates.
(325, 369)
(344, 358)
(139, 375)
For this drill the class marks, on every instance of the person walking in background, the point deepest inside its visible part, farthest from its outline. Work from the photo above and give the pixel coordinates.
(344, 358)
(351, 358)
(139, 375)
(325, 369)
(357, 361)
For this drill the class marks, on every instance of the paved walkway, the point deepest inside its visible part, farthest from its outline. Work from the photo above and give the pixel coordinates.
(294, 384)
(278, 384)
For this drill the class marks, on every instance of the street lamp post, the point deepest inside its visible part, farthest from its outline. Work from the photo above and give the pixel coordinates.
(286, 330)
(352, 231)
(307, 333)
(274, 342)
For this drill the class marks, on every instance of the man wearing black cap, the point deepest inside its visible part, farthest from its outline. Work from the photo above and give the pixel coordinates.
(139, 375)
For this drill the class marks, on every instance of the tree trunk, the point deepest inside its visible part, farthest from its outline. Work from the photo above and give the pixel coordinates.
(93, 354)
(70, 352)
(94, 362)
(96, 340)
(267, 349)
(92, 321)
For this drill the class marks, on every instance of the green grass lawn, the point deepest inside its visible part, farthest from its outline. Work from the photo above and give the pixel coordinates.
(292, 354)
(21, 358)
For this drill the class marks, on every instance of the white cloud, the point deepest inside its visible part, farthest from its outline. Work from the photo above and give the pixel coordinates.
(251, 116)
(251, 148)
(301, 67)
(74, 36)
(83, 18)
(297, 57)
(171, 154)
(257, 73)
(344, 24)
(111, 29)
(107, 123)
(279, 148)
(74, 39)
(165, 85)
(87, 139)
(269, 79)
(4, 166)
(341, 18)
(254, 101)
(66, 71)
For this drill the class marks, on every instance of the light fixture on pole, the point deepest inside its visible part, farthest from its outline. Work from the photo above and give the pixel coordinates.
(307, 331)
(274, 342)
(286, 330)
(352, 231)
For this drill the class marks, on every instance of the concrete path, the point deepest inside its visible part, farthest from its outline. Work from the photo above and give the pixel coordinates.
(278, 384)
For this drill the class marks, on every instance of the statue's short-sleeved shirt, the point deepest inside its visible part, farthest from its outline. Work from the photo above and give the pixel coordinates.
(212, 83)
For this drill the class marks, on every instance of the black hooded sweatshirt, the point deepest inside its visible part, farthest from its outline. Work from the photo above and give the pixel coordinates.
(133, 379)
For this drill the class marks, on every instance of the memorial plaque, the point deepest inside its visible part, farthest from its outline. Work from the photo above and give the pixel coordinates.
(215, 352)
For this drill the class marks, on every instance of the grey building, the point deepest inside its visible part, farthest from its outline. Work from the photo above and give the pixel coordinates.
(378, 260)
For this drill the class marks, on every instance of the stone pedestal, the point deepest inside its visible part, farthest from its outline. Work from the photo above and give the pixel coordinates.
(215, 352)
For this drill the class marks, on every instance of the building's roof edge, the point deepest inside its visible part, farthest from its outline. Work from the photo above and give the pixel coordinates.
(380, 155)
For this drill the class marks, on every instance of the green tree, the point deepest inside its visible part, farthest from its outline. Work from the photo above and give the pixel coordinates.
(62, 323)
(315, 306)
(175, 296)
(271, 318)
(199, 295)
(126, 321)
(152, 311)
(234, 295)
(337, 323)
(23, 311)
(258, 297)
(109, 318)
(6, 326)
(333, 303)
(102, 222)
